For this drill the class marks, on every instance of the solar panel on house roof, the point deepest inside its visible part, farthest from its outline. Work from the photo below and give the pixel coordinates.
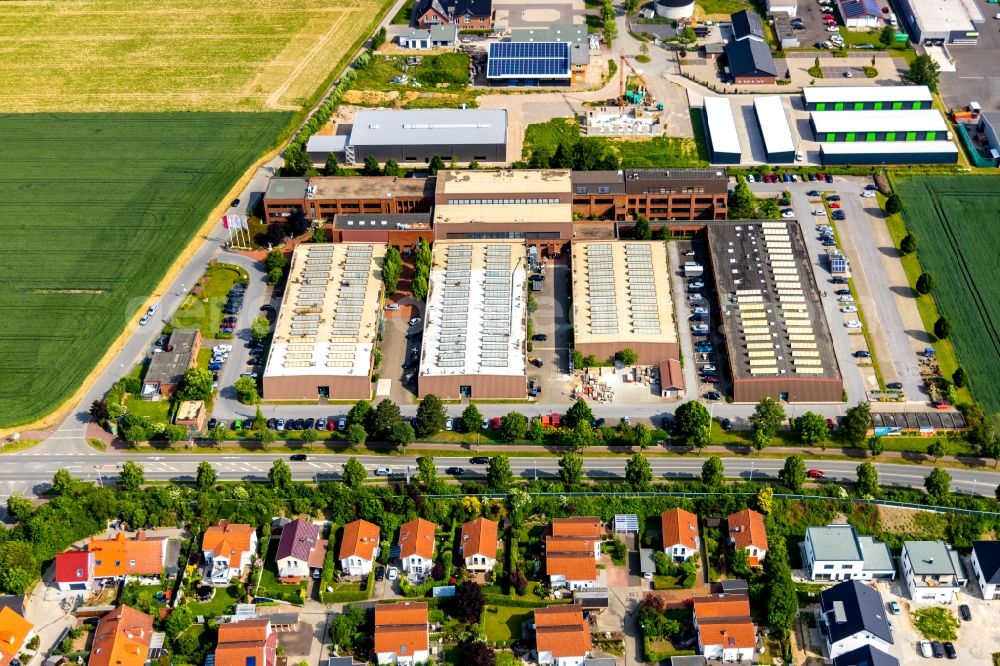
(528, 59)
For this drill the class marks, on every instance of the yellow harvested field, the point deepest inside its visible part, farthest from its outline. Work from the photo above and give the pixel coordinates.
(204, 55)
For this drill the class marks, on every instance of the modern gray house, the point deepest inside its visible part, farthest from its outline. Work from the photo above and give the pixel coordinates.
(416, 136)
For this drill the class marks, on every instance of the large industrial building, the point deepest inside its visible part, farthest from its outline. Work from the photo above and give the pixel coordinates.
(475, 321)
(400, 231)
(936, 22)
(829, 126)
(774, 127)
(415, 136)
(867, 98)
(657, 194)
(723, 140)
(777, 337)
(326, 196)
(533, 205)
(621, 298)
(530, 64)
(327, 324)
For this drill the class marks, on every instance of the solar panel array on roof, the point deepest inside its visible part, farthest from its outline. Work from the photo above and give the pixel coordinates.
(548, 60)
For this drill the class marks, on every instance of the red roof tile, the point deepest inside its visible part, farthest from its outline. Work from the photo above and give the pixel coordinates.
(479, 537)
(679, 527)
(577, 526)
(562, 631)
(73, 566)
(226, 540)
(729, 633)
(572, 566)
(122, 638)
(360, 540)
(746, 528)
(417, 538)
(721, 605)
(14, 631)
(121, 556)
(401, 628)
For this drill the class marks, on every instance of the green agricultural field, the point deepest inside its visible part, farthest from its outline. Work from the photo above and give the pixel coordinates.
(96, 207)
(141, 55)
(951, 217)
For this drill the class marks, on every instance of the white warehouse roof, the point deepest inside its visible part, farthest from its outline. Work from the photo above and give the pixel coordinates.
(773, 124)
(831, 94)
(897, 147)
(721, 127)
(878, 121)
(426, 127)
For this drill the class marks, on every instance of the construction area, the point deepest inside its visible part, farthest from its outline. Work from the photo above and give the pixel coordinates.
(638, 114)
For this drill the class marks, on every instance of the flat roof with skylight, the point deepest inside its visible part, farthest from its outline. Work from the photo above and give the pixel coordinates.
(476, 309)
(621, 292)
(328, 319)
(770, 304)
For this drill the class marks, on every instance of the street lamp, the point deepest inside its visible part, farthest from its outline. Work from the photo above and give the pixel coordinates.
(751, 470)
(100, 481)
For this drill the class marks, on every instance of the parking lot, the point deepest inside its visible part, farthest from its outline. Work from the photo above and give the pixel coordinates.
(977, 640)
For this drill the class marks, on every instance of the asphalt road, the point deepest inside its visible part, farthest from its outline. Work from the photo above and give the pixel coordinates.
(33, 472)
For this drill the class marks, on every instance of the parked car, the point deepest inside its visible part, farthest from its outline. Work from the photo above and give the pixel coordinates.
(380, 573)
(816, 474)
(838, 280)
(342, 423)
(539, 337)
(852, 323)
(393, 573)
(862, 353)
(392, 307)
(819, 212)
(835, 205)
(279, 424)
(713, 395)
(849, 309)
(449, 423)
(695, 284)
(537, 278)
(965, 612)
(867, 194)
(726, 424)
(711, 379)
(415, 320)
(212, 423)
(845, 299)
(937, 648)
(215, 366)
(925, 649)
(812, 177)
(486, 424)
(829, 177)
(894, 607)
(321, 423)
(894, 386)
(238, 424)
(700, 310)
(145, 320)
(298, 457)
(495, 423)
(788, 212)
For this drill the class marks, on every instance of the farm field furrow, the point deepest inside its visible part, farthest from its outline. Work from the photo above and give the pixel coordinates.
(951, 217)
(111, 55)
(96, 208)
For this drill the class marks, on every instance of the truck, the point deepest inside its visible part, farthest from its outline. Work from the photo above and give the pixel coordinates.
(693, 269)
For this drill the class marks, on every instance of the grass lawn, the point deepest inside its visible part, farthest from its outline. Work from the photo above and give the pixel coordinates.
(220, 604)
(140, 55)
(667, 582)
(92, 248)
(719, 7)
(204, 311)
(936, 623)
(946, 214)
(505, 623)
(143, 597)
(658, 152)
(448, 68)
(404, 14)
(154, 410)
(204, 357)
(269, 585)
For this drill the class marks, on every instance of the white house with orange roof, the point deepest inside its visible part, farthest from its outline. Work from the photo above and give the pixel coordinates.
(478, 546)
(359, 548)
(228, 550)
(15, 632)
(747, 532)
(680, 534)
(416, 546)
(562, 635)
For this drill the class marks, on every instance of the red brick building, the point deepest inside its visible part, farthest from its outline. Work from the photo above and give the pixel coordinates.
(328, 196)
(656, 194)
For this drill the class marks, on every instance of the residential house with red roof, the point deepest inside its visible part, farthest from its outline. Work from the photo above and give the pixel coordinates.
(402, 635)
(479, 544)
(15, 632)
(300, 551)
(562, 635)
(74, 571)
(746, 532)
(250, 642)
(122, 638)
(122, 556)
(571, 552)
(416, 546)
(725, 630)
(680, 534)
(359, 548)
(228, 550)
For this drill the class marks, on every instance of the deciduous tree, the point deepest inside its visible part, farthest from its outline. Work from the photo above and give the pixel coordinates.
(571, 469)
(578, 411)
(793, 474)
(401, 434)
(925, 284)
(811, 428)
(856, 423)
(354, 473)
(426, 472)
(472, 418)
(768, 416)
(938, 483)
(691, 417)
(195, 384)
(280, 475)
(513, 426)
(356, 435)
(430, 416)
(206, 476)
(936, 449)
(638, 471)
(382, 418)
(628, 357)
(246, 390)
(498, 474)
(713, 473)
(260, 328)
(469, 601)
(876, 446)
(867, 483)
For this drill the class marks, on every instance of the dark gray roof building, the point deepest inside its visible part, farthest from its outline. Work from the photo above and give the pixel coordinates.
(851, 608)
(750, 58)
(167, 367)
(988, 555)
(866, 656)
(747, 25)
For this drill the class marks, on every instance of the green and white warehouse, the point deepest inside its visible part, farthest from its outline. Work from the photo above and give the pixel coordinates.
(867, 98)
(831, 126)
